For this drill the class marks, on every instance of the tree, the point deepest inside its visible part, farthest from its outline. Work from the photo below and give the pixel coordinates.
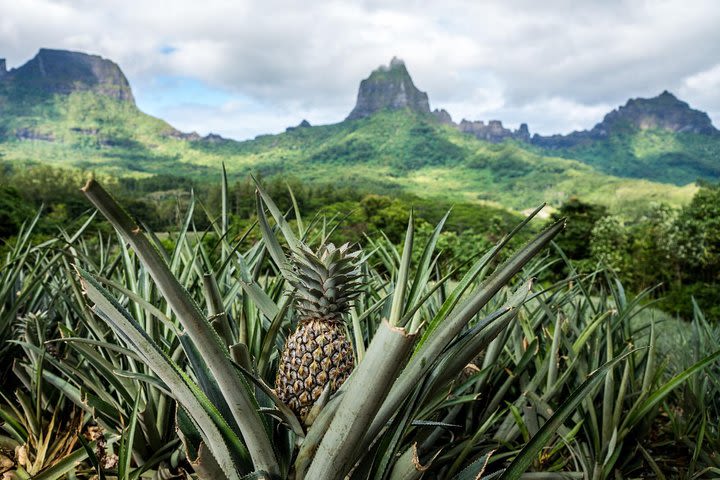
(695, 242)
(653, 250)
(698, 232)
(13, 211)
(609, 242)
(581, 218)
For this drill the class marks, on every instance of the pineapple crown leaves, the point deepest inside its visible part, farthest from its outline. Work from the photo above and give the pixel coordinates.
(325, 281)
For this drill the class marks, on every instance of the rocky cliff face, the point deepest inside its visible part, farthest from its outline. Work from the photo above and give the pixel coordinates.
(494, 131)
(389, 88)
(64, 72)
(664, 112)
(443, 116)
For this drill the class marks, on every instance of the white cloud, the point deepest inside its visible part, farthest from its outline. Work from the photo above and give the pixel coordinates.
(557, 65)
(702, 89)
(239, 119)
(704, 81)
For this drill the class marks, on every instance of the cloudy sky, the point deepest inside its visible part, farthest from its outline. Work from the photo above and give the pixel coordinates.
(241, 68)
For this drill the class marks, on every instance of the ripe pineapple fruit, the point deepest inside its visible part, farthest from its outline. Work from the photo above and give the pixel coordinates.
(318, 352)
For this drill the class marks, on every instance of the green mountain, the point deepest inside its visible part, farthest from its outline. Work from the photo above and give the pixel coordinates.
(76, 110)
(658, 138)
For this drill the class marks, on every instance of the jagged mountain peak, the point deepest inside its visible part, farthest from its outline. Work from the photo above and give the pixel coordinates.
(389, 88)
(664, 112)
(63, 72)
(395, 64)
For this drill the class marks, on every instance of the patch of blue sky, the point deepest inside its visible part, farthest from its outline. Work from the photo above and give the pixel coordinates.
(169, 91)
(167, 49)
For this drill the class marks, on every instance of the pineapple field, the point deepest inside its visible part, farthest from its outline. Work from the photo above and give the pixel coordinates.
(276, 349)
(236, 243)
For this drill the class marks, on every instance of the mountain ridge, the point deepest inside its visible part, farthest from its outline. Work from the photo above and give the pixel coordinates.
(391, 88)
(388, 87)
(662, 112)
(396, 143)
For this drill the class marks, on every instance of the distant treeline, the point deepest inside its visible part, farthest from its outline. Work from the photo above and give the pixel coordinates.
(675, 251)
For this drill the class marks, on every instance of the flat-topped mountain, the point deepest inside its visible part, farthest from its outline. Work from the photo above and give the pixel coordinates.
(63, 72)
(71, 100)
(389, 88)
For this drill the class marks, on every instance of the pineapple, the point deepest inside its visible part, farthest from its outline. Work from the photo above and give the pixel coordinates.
(318, 352)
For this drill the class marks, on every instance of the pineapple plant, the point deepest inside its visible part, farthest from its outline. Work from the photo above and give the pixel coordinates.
(414, 339)
(318, 354)
(410, 410)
